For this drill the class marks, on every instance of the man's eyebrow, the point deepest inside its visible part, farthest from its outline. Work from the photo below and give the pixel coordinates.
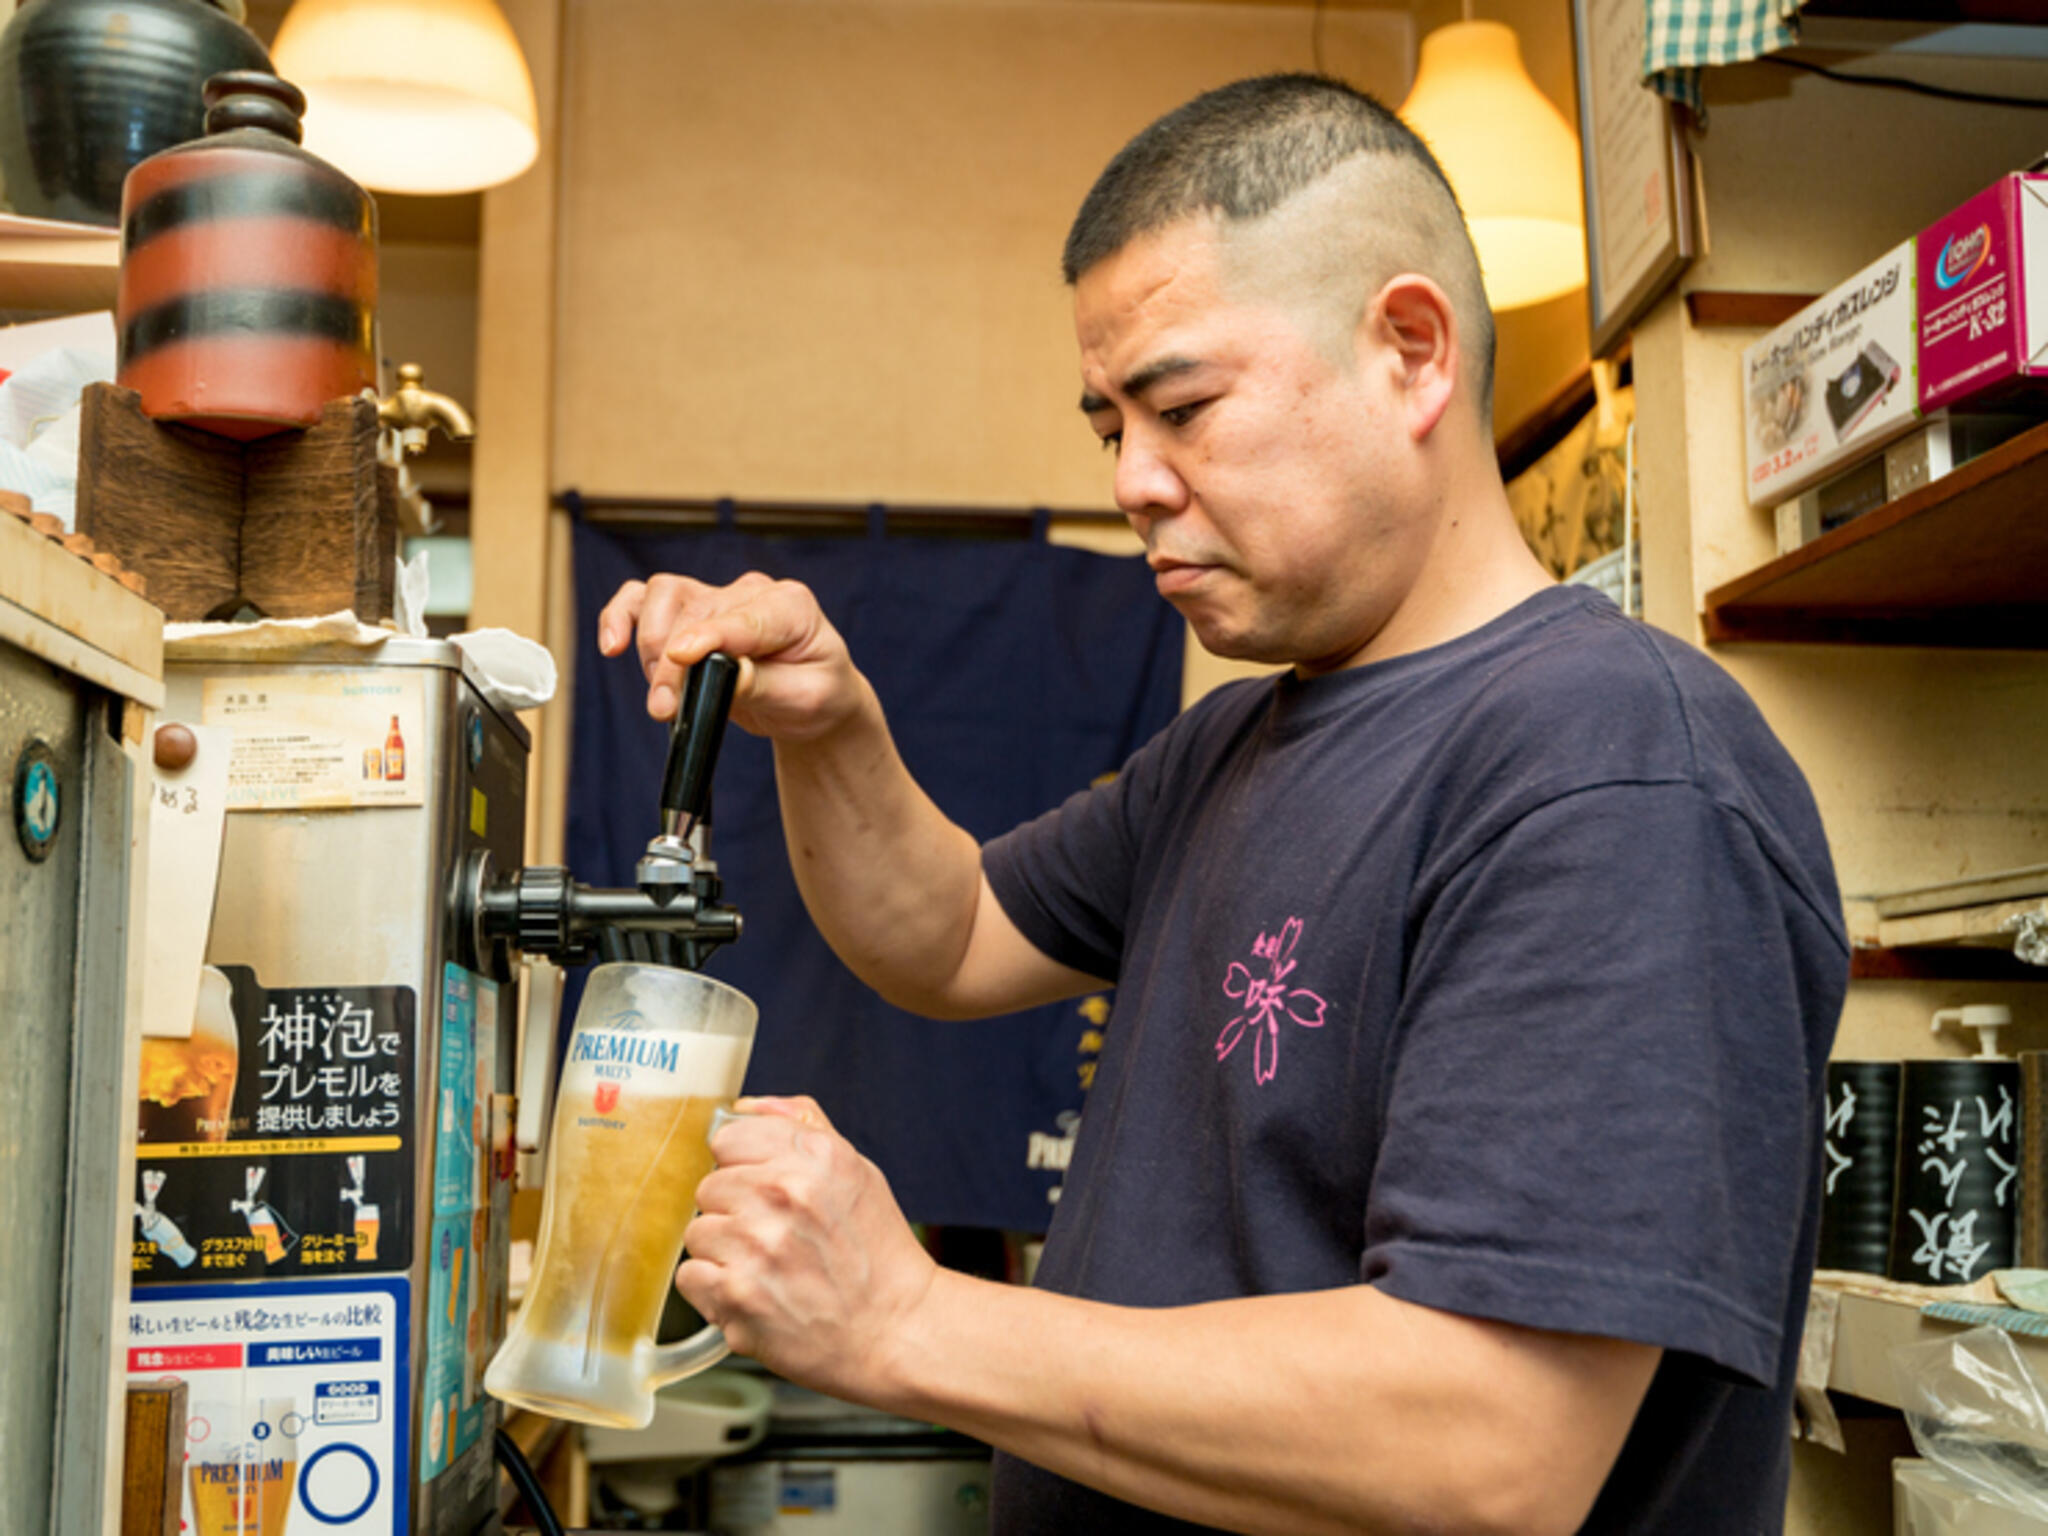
(1136, 385)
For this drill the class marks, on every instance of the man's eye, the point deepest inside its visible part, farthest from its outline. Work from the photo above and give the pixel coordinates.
(1112, 442)
(1181, 415)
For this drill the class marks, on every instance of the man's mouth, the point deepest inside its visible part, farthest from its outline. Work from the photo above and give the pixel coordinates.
(1173, 576)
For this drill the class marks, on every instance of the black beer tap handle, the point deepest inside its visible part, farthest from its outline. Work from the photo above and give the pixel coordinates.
(694, 741)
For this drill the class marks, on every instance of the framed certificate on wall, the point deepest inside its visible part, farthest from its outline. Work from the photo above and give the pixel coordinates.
(1637, 173)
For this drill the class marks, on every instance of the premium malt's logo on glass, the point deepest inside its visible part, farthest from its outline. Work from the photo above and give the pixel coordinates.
(638, 1050)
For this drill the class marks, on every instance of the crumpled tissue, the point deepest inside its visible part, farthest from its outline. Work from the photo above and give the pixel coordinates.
(51, 362)
(519, 673)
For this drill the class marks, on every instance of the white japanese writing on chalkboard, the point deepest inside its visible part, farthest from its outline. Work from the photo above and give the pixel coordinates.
(326, 1067)
(1841, 1116)
(1961, 1139)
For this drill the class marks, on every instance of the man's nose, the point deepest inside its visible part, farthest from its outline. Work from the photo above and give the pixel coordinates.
(1146, 484)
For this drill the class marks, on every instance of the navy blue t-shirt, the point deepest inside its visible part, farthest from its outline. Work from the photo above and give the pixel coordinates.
(1501, 976)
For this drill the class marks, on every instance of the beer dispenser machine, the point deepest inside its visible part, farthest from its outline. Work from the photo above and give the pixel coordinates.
(325, 1167)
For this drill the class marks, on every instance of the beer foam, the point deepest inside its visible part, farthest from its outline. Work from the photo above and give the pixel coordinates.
(664, 1062)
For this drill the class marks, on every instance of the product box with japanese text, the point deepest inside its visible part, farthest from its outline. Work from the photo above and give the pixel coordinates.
(1833, 384)
(1983, 315)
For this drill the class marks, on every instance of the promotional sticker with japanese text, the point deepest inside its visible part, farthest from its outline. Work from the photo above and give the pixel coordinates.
(321, 740)
(277, 1140)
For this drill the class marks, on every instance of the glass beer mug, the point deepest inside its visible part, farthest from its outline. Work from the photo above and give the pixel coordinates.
(655, 1054)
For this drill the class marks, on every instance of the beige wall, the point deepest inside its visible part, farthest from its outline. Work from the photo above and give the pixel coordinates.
(812, 246)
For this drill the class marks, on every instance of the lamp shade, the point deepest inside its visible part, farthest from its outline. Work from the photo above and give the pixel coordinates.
(420, 96)
(1510, 156)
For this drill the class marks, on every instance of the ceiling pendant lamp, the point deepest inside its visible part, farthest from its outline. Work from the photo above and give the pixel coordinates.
(420, 96)
(1510, 156)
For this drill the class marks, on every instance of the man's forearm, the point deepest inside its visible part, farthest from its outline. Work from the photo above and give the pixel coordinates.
(891, 882)
(1338, 1411)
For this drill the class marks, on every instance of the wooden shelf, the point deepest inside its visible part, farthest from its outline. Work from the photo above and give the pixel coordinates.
(46, 266)
(1868, 1327)
(1759, 311)
(1962, 561)
(1958, 930)
(1990, 925)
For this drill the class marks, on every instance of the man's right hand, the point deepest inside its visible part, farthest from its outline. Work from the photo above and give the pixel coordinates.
(796, 679)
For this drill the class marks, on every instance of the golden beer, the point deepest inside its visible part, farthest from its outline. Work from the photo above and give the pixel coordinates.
(366, 1233)
(630, 1143)
(242, 1498)
(188, 1086)
(640, 1182)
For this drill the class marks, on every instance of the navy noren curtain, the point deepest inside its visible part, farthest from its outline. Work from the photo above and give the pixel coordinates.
(1013, 674)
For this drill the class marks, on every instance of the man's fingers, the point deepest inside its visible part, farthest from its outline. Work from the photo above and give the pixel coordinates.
(678, 621)
(615, 623)
(758, 618)
(801, 1108)
(761, 1130)
(667, 599)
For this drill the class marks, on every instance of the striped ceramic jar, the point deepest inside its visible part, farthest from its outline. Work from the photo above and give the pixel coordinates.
(248, 289)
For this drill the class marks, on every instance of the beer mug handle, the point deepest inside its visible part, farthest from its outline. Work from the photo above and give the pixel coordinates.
(699, 1352)
(704, 1348)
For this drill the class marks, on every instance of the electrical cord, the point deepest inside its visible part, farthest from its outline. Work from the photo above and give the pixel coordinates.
(514, 1463)
(1916, 87)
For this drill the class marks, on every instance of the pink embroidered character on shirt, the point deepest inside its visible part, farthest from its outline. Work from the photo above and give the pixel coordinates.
(1265, 998)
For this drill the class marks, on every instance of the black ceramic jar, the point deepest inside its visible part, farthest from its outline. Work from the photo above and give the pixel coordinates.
(91, 88)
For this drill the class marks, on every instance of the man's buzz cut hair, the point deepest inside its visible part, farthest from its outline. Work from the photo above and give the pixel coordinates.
(1242, 150)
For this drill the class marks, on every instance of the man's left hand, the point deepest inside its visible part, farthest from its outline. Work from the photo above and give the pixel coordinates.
(800, 1253)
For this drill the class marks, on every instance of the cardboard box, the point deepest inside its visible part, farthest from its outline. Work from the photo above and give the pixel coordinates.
(1834, 383)
(1928, 451)
(1983, 297)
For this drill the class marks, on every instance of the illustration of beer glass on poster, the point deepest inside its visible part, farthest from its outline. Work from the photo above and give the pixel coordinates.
(278, 1140)
(242, 1466)
(321, 740)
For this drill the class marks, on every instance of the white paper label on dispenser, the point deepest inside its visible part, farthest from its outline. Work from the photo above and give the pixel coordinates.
(187, 809)
(321, 740)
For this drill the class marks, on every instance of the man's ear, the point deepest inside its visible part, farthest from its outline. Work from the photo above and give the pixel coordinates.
(1414, 320)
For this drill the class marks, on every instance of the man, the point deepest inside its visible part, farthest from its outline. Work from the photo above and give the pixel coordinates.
(1451, 1162)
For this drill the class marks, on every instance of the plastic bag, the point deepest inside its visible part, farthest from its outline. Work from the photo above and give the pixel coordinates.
(1978, 1411)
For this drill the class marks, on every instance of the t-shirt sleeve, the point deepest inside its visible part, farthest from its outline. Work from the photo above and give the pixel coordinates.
(1065, 878)
(1600, 1117)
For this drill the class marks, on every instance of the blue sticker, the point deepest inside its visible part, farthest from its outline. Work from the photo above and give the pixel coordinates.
(476, 739)
(38, 800)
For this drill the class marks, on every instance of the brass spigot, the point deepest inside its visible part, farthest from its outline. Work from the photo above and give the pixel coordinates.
(413, 409)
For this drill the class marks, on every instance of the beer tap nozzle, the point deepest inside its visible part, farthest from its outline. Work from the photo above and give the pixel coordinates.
(673, 915)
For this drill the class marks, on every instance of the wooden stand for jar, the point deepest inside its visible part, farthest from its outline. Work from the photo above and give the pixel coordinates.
(293, 525)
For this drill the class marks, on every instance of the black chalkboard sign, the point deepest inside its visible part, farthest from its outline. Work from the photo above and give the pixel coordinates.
(1958, 1180)
(282, 1146)
(1860, 1151)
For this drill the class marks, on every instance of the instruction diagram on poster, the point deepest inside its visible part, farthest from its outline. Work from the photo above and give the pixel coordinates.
(277, 1140)
(296, 1395)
